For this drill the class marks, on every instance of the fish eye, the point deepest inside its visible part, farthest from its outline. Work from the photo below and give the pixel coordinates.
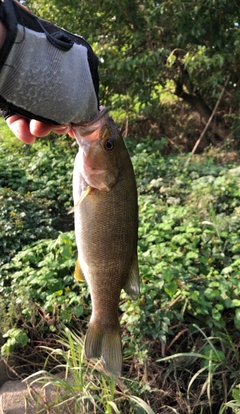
(109, 145)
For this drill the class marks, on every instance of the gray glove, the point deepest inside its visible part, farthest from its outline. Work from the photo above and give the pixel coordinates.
(46, 73)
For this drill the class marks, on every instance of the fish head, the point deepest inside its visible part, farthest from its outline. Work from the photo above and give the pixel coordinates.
(101, 147)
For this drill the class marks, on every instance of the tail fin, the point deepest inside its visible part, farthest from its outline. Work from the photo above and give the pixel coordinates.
(105, 344)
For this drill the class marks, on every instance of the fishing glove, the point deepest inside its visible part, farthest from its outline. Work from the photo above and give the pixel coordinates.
(46, 73)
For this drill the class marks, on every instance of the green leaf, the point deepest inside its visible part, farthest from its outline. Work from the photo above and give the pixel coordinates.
(171, 288)
(236, 394)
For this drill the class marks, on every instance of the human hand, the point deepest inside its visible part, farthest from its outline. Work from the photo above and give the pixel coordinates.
(28, 129)
(57, 80)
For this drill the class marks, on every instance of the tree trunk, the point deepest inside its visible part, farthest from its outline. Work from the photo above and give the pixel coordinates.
(197, 102)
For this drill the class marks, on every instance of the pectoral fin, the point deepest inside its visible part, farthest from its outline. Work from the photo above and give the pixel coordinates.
(132, 287)
(84, 194)
(78, 274)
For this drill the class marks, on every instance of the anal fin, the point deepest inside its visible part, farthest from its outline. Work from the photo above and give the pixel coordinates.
(132, 287)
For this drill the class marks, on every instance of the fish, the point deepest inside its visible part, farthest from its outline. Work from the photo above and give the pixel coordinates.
(106, 231)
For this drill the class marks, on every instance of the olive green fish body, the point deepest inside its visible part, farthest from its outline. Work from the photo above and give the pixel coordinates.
(106, 224)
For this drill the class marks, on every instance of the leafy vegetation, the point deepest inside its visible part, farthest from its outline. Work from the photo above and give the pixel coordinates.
(162, 64)
(181, 336)
(23, 171)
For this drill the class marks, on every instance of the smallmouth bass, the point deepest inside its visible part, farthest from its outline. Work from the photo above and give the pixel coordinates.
(106, 227)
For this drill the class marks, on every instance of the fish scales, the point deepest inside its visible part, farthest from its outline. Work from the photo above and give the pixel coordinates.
(106, 222)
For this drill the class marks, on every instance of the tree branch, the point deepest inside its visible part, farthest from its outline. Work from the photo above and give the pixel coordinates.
(211, 117)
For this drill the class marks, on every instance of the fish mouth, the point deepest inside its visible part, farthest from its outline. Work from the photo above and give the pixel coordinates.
(90, 132)
(94, 168)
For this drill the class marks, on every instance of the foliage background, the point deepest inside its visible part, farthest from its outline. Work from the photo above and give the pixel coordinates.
(146, 48)
(162, 68)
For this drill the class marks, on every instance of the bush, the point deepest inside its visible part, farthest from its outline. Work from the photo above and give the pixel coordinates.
(188, 241)
(24, 218)
(189, 256)
(40, 278)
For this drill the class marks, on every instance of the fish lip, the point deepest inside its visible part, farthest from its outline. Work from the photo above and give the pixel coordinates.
(103, 111)
(91, 131)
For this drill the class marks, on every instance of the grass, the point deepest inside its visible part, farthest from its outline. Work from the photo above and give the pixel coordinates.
(84, 386)
(200, 377)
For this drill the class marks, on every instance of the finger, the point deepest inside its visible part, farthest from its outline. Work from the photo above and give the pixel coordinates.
(27, 130)
(60, 129)
(70, 133)
(39, 129)
(63, 129)
(20, 127)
